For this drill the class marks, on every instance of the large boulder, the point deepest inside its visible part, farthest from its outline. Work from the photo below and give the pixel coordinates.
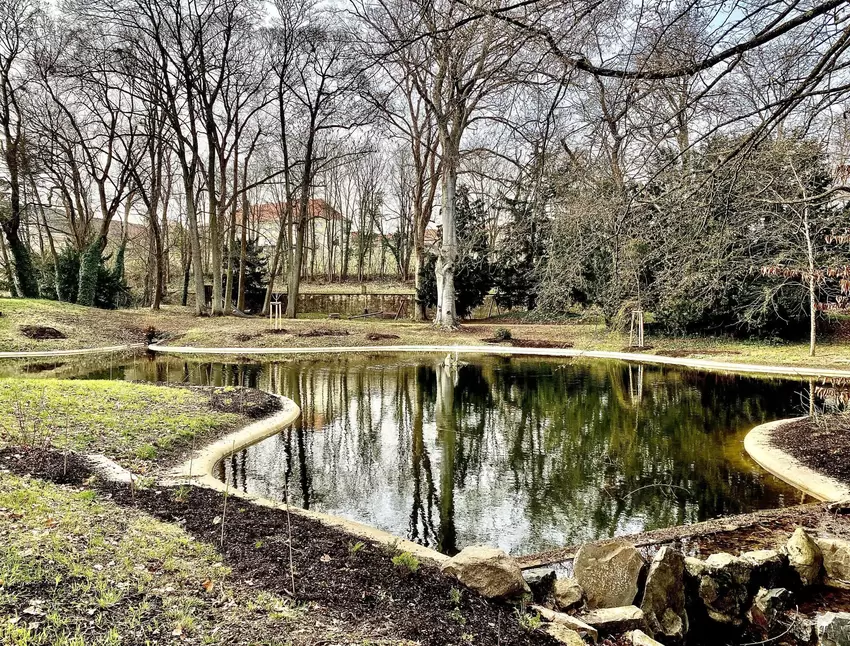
(560, 633)
(805, 556)
(770, 569)
(664, 596)
(567, 593)
(836, 562)
(613, 621)
(488, 571)
(833, 628)
(640, 638)
(585, 630)
(723, 586)
(540, 580)
(610, 573)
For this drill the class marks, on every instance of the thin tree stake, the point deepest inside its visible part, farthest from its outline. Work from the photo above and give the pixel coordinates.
(226, 492)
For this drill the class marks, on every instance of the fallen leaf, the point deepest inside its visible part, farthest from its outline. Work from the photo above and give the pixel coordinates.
(208, 585)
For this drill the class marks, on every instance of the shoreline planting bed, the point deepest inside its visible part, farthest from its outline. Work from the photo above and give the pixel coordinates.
(822, 444)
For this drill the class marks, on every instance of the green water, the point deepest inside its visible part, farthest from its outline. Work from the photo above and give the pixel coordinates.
(524, 453)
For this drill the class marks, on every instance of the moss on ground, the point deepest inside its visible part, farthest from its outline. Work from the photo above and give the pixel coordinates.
(131, 423)
(77, 570)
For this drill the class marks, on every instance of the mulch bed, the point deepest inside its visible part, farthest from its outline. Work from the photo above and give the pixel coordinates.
(825, 446)
(528, 343)
(41, 333)
(687, 352)
(360, 587)
(48, 464)
(254, 404)
(377, 336)
(316, 332)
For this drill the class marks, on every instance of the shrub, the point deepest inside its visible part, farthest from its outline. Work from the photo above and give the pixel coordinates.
(406, 562)
(502, 334)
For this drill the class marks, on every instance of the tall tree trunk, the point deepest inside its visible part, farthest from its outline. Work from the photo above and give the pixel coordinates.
(243, 251)
(295, 268)
(159, 263)
(215, 235)
(446, 312)
(184, 300)
(195, 245)
(419, 313)
(813, 307)
(89, 268)
(50, 242)
(10, 272)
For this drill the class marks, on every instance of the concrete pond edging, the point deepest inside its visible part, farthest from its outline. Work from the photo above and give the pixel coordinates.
(198, 470)
(784, 466)
(33, 354)
(705, 364)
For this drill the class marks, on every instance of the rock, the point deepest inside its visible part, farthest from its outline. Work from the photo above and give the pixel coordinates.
(640, 638)
(568, 593)
(833, 628)
(805, 556)
(540, 580)
(488, 571)
(562, 634)
(664, 596)
(615, 620)
(769, 568)
(610, 573)
(836, 562)
(583, 629)
(724, 588)
(767, 607)
(694, 566)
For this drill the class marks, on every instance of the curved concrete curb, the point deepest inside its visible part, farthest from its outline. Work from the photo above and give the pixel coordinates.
(785, 467)
(69, 353)
(504, 350)
(198, 470)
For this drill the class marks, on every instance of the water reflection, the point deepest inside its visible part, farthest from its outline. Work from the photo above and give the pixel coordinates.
(523, 453)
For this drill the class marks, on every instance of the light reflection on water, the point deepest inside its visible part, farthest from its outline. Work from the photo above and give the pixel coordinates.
(524, 453)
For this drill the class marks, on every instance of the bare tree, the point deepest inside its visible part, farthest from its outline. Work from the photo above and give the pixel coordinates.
(19, 22)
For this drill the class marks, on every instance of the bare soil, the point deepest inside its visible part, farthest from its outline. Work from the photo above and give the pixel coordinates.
(41, 332)
(377, 336)
(687, 352)
(356, 585)
(322, 331)
(824, 446)
(528, 343)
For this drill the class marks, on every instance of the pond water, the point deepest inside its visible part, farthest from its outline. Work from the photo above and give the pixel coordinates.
(525, 453)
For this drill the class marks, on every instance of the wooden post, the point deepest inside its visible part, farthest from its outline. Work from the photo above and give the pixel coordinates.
(276, 312)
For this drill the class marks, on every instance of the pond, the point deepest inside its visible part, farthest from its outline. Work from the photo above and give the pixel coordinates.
(527, 454)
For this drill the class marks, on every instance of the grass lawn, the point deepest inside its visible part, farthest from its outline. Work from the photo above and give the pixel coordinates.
(85, 327)
(131, 423)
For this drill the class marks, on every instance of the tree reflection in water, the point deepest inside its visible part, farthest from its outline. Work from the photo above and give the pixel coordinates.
(527, 454)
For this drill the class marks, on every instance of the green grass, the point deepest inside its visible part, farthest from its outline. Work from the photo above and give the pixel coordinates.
(77, 570)
(87, 327)
(132, 423)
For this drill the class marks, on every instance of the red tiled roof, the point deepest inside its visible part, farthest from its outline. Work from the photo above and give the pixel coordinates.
(275, 211)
